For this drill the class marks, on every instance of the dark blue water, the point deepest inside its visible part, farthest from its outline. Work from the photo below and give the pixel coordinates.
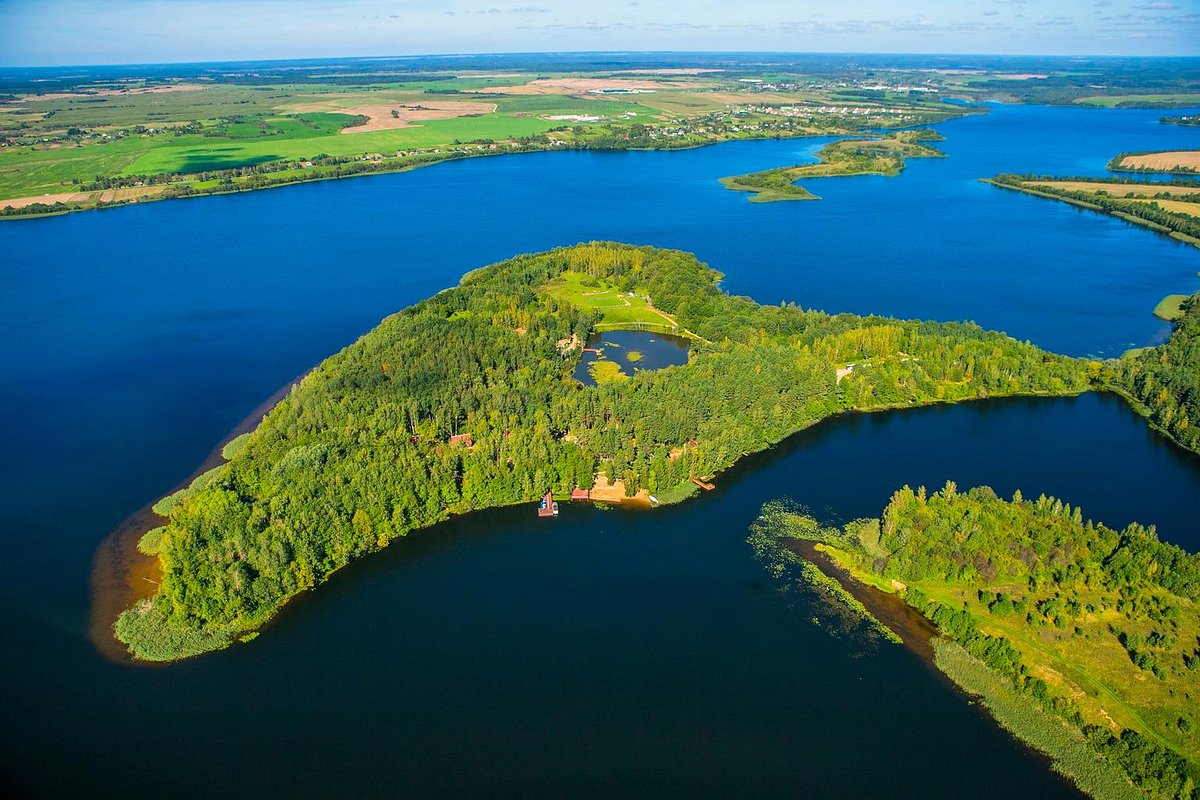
(655, 350)
(604, 652)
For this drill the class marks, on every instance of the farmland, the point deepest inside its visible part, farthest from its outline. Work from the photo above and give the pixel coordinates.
(87, 143)
(1176, 161)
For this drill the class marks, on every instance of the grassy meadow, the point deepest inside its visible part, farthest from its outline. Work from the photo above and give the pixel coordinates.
(619, 309)
(57, 143)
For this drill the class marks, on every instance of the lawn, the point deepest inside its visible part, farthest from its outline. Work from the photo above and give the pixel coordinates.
(617, 308)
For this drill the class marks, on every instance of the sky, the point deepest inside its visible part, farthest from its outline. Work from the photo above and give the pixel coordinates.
(68, 32)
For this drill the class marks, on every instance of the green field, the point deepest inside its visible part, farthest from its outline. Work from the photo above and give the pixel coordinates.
(80, 145)
(1169, 307)
(65, 142)
(618, 308)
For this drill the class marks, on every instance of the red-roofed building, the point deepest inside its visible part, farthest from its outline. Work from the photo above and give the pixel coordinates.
(463, 439)
(548, 508)
(579, 494)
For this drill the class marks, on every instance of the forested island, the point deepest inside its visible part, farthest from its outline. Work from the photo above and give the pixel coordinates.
(465, 401)
(1081, 640)
(882, 156)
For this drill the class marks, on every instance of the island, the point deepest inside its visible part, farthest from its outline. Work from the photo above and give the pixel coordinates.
(1081, 640)
(882, 156)
(467, 401)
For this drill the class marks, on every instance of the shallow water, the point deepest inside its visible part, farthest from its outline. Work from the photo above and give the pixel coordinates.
(602, 652)
(654, 351)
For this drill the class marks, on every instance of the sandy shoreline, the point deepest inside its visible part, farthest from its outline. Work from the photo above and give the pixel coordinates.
(122, 575)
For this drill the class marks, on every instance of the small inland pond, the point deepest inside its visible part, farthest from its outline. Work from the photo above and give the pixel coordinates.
(629, 352)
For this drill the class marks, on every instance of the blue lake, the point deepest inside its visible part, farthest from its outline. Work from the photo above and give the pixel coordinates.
(605, 652)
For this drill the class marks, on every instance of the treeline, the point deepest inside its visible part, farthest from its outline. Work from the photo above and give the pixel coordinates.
(1011, 581)
(1163, 383)
(334, 77)
(360, 451)
(1114, 180)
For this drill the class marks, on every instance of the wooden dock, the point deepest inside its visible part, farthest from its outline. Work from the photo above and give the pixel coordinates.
(705, 485)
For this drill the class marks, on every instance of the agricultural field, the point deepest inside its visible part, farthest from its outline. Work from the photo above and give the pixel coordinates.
(77, 143)
(1169, 208)
(1191, 209)
(1120, 189)
(1166, 161)
(1142, 100)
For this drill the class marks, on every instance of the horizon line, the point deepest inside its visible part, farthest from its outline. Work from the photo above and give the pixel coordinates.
(626, 52)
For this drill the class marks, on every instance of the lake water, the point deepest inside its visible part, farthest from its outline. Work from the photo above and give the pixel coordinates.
(603, 652)
(654, 351)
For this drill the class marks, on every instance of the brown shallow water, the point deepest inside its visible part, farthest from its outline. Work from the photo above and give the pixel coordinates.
(910, 625)
(915, 631)
(121, 574)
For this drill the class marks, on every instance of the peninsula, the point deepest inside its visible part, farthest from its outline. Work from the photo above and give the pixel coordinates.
(465, 401)
(1083, 641)
(883, 156)
(1170, 207)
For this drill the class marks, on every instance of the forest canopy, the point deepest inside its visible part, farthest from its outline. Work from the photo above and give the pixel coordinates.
(1096, 627)
(466, 401)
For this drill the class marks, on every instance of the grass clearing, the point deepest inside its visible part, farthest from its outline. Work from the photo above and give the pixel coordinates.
(618, 308)
(1169, 307)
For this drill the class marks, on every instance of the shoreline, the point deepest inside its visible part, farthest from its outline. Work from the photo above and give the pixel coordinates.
(121, 575)
(119, 569)
(917, 635)
(1130, 218)
(391, 169)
